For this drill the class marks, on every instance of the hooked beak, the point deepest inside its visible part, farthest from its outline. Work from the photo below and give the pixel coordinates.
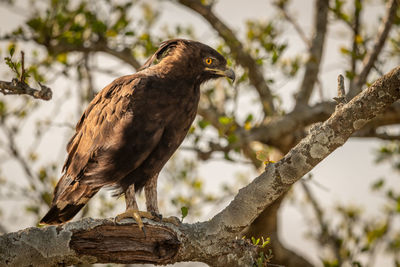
(229, 73)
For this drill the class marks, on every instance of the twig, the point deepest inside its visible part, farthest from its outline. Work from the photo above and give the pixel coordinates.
(89, 79)
(295, 25)
(22, 78)
(16, 87)
(15, 153)
(372, 55)
(125, 54)
(326, 237)
(356, 30)
(373, 134)
(341, 99)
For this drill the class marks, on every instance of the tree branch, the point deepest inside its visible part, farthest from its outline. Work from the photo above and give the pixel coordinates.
(325, 234)
(321, 141)
(244, 59)
(372, 55)
(124, 54)
(282, 7)
(90, 241)
(374, 134)
(16, 87)
(102, 241)
(356, 33)
(315, 53)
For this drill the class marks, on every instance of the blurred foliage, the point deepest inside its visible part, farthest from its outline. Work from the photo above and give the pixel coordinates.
(356, 238)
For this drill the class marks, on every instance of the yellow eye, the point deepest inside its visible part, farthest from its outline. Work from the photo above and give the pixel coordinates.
(209, 61)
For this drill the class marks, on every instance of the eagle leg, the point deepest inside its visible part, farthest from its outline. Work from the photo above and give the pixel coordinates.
(132, 210)
(150, 191)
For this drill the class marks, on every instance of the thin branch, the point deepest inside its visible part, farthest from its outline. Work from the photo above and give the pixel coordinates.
(22, 78)
(341, 98)
(374, 134)
(325, 235)
(356, 32)
(372, 55)
(16, 154)
(241, 56)
(294, 23)
(315, 53)
(124, 54)
(16, 87)
(89, 92)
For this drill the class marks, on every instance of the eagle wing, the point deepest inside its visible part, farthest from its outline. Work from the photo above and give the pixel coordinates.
(114, 136)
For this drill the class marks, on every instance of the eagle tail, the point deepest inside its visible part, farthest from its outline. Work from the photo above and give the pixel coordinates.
(70, 196)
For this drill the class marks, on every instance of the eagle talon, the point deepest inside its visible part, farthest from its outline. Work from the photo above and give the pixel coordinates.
(135, 215)
(156, 216)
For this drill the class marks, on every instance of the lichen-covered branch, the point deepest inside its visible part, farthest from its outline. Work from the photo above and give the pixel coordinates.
(102, 241)
(255, 75)
(322, 140)
(216, 242)
(315, 53)
(16, 87)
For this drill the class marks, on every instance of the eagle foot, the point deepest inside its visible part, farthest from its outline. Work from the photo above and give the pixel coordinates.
(136, 215)
(156, 216)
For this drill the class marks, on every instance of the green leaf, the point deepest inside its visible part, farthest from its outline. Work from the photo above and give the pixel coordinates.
(225, 120)
(232, 138)
(255, 241)
(129, 33)
(42, 174)
(262, 155)
(62, 58)
(12, 50)
(249, 118)
(3, 108)
(184, 211)
(32, 209)
(378, 184)
(47, 197)
(398, 205)
(265, 241)
(203, 123)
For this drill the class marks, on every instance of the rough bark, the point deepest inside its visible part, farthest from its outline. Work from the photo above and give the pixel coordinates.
(216, 242)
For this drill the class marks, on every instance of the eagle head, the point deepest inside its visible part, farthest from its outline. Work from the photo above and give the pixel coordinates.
(190, 59)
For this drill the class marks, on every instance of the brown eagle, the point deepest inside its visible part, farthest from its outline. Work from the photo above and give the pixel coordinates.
(132, 127)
